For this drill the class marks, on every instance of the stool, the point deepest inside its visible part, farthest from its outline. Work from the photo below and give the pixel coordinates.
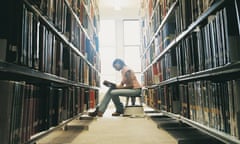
(133, 100)
(134, 110)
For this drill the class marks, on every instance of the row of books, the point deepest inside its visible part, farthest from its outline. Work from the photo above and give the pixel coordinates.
(74, 68)
(208, 46)
(212, 45)
(70, 26)
(189, 10)
(88, 15)
(163, 98)
(27, 109)
(153, 13)
(57, 12)
(214, 104)
(210, 103)
(204, 42)
(178, 21)
(185, 13)
(42, 50)
(54, 10)
(162, 39)
(164, 69)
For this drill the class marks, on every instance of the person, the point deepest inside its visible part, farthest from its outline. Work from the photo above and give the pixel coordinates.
(129, 86)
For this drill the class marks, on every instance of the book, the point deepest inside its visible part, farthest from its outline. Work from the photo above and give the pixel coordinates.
(3, 49)
(109, 84)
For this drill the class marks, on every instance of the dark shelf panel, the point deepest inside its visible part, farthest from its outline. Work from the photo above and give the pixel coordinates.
(44, 133)
(169, 81)
(230, 70)
(25, 73)
(220, 73)
(210, 131)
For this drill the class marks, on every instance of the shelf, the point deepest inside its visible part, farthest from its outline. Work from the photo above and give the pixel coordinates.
(212, 132)
(60, 35)
(77, 19)
(184, 33)
(169, 81)
(218, 71)
(199, 20)
(160, 26)
(211, 89)
(31, 74)
(36, 137)
(230, 70)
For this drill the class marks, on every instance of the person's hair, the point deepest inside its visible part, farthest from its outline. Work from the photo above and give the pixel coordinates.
(119, 61)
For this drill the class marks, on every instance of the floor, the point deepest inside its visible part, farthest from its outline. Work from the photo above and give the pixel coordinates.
(110, 130)
(150, 128)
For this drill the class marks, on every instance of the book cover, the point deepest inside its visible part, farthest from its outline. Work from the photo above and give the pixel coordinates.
(109, 84)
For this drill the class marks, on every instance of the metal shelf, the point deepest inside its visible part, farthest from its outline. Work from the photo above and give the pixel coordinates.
(35, 75)
(210, 131)
(37, 136)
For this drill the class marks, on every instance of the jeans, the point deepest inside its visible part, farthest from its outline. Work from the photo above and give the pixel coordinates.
(114, 95)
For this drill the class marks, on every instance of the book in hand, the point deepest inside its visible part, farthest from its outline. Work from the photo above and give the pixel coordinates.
(109, 84)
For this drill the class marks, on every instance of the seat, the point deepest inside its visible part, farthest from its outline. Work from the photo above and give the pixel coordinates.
(133, 100)
(134, 109)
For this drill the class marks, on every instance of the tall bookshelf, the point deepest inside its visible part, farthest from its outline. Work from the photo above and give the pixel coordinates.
(49, 65)
(190, 57)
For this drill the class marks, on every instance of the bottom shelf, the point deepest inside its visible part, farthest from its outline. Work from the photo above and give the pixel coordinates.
(210, 131)
(39, 135)
(31, 110)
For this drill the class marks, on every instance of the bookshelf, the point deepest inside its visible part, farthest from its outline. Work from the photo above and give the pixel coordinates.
(190, 63)
(49, 65)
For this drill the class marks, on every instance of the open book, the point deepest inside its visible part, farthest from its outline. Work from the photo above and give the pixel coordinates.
(109, 84)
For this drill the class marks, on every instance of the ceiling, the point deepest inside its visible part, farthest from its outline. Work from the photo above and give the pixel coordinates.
(119, 9)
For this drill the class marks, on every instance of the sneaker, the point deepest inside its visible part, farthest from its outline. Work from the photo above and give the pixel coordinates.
(95, 113)
(117, 113)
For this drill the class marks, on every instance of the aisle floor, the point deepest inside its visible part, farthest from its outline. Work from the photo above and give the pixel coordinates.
(110, 130)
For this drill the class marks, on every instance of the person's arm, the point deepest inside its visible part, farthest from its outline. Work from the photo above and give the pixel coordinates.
(126, 81)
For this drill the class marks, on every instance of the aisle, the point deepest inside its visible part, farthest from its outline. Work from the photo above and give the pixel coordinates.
(111, 130)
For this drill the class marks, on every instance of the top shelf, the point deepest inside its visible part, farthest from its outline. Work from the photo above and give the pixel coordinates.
(183, 34)
(62, 37)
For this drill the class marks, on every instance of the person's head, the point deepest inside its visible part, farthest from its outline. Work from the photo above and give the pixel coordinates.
(118, 64)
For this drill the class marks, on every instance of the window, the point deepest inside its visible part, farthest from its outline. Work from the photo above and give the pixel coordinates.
(131, 38)
(107, 43)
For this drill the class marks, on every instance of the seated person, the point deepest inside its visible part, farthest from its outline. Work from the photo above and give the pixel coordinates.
(129, 86)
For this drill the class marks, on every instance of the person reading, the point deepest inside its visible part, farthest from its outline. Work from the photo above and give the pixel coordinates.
(129, 86)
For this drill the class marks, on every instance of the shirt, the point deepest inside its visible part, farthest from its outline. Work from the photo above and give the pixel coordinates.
(129, 79)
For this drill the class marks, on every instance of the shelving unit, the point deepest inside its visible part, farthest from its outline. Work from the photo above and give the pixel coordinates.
(49, 65)
(190, 62)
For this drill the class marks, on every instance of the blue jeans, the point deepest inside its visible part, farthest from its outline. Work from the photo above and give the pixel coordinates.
(114, 95)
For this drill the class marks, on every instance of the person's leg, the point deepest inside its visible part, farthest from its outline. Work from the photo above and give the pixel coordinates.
(105, 101)
(100, 109)
(122, 92)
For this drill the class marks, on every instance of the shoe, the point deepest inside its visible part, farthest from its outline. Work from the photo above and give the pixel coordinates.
(95, 113)
(117, 113)
(100, 114)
